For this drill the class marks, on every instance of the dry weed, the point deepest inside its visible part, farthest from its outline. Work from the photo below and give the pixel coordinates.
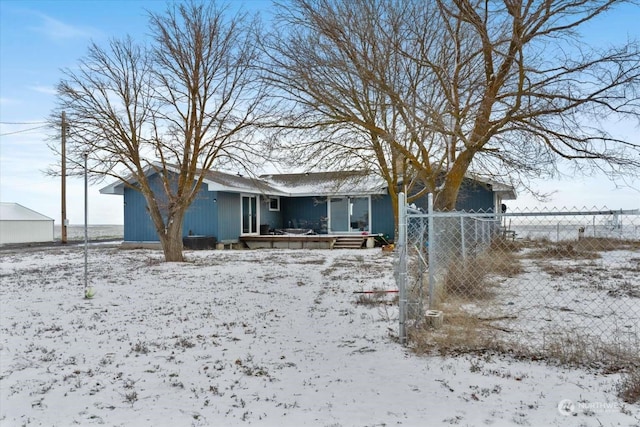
(558, 270)
(465, 278)
(606, 244)
(563, 251)
(461, 332)
(466, 331)
(370, 300)
(629, 387)
(504, 264)
(469, 278)
(569, 350)
(502, 244)
(374, 297)
(466, 291)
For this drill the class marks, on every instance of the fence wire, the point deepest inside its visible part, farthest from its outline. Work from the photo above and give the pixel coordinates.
(560, 284)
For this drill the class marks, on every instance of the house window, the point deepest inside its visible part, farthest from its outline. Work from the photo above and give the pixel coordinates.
(274, 203)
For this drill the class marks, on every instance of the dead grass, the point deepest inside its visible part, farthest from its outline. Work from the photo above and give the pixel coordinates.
(563, 251)
(586, 248)
(502, 244)
(310, 261)
(504, 264)
(461, 332)
(569, 350)
(625, 289)
(471, 278)
(606, 244)
(375, 298)
(466, 278)
(584, 351)
(629, 387)
(559, 270)
(464, 332)
(467, 290)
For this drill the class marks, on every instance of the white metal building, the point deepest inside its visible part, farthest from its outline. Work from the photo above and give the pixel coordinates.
(23, 225)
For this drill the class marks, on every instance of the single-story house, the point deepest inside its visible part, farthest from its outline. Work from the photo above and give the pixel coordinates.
(234, 207)
(19, 224)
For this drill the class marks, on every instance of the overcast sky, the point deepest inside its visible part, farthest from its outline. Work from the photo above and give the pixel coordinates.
(38, 38)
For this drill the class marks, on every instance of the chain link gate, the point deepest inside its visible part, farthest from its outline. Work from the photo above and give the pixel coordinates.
(558, 284)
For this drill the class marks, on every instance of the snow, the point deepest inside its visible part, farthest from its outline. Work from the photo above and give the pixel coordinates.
(595, 298)
(17, 212)
(260, 338)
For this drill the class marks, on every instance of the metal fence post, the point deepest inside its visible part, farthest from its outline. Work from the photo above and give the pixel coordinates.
(402, 267)
(475, 232)
(463, 242)
(432, 251)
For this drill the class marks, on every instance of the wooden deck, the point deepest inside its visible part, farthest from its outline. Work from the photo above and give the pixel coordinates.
(306, 241)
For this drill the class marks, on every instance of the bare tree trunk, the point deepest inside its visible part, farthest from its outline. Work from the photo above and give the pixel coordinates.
(445, 199)
(169, 230)
(394, 206)
(171, 240)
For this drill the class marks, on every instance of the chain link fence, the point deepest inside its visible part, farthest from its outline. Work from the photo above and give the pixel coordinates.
(552, 284)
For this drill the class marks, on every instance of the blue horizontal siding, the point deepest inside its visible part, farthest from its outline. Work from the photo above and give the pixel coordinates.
(382, 218)
(475, 197)
(271, 218)
(228, 211)
(138, 226)
(200, 219)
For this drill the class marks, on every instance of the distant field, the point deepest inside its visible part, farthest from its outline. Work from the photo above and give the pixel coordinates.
(570, 231)
(95, 232)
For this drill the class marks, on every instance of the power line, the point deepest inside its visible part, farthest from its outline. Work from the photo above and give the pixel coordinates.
(23, 130)
(23, 123)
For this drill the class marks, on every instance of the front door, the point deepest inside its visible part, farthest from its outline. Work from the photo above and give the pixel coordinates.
(249, 214)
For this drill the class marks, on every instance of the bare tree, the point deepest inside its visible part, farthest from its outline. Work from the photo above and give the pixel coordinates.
(341, 66)
(432, 92)
(156, 117)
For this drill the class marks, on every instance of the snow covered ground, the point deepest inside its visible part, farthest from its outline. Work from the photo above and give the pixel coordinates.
(596, 299)
(260, 338)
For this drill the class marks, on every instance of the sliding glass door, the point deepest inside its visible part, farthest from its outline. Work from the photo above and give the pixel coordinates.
(249, 215)
(349, 214)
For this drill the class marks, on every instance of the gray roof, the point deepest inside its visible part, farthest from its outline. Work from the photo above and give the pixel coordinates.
(296, 184)
(343, 183)
(215, 181)
(327, 183)
(221, 181)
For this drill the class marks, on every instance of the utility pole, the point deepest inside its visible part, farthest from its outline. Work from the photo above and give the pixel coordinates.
(64, 178)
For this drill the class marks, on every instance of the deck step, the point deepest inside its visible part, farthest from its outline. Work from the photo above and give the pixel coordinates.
(349, 242)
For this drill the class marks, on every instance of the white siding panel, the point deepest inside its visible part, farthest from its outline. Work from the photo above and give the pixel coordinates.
(26, 231)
